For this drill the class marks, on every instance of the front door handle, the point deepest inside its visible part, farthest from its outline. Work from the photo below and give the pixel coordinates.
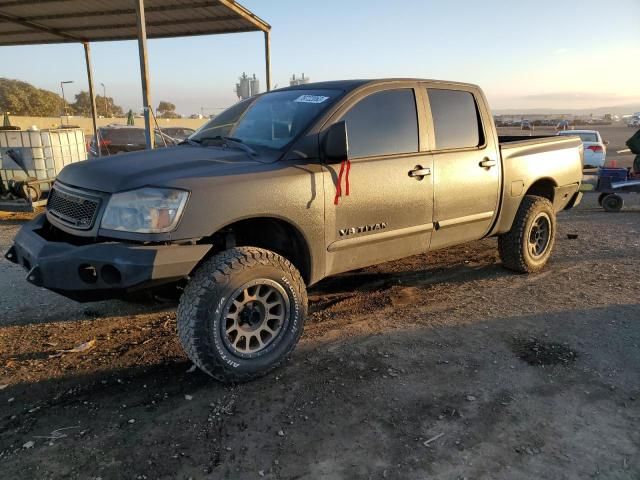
(488, 163)
(419, 173)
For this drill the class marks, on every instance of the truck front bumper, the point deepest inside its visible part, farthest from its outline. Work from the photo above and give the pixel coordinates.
(99, 270)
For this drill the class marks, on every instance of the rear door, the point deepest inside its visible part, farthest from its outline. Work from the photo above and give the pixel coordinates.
(388, 212)
(466, 165)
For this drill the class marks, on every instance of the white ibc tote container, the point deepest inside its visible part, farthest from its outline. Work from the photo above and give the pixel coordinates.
(45, 152)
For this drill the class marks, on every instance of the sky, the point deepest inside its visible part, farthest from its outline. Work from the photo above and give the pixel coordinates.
(536, 54)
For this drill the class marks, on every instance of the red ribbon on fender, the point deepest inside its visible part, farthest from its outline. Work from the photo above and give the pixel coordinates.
(346, 164)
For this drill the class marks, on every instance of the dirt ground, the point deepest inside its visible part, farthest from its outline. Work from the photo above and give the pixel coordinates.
(438, 366)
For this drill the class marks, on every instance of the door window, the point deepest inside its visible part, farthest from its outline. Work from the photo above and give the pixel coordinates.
(383, 123)
(455, 119)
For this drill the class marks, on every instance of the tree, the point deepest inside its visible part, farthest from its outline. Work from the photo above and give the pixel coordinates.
(21, 98)
(82, 106)
(167, 110)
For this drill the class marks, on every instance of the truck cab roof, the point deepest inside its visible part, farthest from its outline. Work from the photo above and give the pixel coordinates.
(347, 85)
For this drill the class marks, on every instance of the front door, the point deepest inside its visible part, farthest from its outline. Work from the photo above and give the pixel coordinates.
(388, 212)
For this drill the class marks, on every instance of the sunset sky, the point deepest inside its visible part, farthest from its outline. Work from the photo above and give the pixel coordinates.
(543, 54)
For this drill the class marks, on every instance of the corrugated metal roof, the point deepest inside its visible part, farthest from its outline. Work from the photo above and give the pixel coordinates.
(29, 22)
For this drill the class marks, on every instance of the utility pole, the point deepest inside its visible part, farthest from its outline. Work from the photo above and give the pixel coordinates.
(104, 96)
(144, 73)
(92, 96)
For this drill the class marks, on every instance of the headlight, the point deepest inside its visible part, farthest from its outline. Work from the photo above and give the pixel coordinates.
(147, 210)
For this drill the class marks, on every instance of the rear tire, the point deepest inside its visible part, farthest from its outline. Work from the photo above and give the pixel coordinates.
(242, 313)
(612, 203)
(526, 248)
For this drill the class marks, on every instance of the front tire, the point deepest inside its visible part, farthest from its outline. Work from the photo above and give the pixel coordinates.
(526, 248)
(242, 313)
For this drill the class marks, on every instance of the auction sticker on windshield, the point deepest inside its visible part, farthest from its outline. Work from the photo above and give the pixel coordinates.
(310, 99)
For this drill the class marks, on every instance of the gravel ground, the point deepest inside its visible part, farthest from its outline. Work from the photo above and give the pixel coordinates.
(438, 366)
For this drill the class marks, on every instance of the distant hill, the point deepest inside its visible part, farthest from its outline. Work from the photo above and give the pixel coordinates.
(22, 98)
(615, 110)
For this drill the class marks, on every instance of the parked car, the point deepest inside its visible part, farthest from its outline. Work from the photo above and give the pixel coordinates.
(595, 149)
(270, 197)
(526, 125)
(563, 125)
(116, 138)
(178, 133)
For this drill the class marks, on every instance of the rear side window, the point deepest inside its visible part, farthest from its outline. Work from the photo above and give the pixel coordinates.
(383, 123)
(455, 119)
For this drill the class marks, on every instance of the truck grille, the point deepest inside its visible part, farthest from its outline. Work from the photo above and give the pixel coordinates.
(72, 209)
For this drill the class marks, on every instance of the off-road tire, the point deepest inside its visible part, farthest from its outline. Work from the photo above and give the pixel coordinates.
(612, 203)
(200, 313)
(514, 245)
(601, 197)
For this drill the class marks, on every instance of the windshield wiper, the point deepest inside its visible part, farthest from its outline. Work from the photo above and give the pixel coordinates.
(189, 141)
(238, 143)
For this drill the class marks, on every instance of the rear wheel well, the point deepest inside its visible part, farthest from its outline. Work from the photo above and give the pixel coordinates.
(545, 187)
(272, 234)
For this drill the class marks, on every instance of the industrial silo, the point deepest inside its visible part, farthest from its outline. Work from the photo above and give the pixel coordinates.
(254, 85)
(243, 87)
(298, 81)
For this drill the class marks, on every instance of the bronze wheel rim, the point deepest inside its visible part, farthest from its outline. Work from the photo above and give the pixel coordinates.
(254, 317)
(539, 236)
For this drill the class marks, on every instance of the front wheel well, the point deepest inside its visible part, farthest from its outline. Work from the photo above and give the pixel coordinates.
(545, 188)
(272, 234)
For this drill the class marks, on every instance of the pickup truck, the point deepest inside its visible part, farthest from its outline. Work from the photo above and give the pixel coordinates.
(286, 188)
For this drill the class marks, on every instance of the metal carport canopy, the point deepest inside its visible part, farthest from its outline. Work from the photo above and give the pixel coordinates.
(35, 22)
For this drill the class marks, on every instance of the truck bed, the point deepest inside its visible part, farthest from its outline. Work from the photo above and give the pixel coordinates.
(554, 160)
(519, 145)
(521, 138)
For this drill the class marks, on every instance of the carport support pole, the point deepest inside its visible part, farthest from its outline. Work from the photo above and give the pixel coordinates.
(94, 117)
(267, 57)
(144, 71)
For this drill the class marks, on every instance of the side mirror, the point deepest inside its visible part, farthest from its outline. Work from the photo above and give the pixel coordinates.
(336, 143)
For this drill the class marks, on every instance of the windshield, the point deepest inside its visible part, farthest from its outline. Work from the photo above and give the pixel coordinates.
(271, 120)
(122, 136)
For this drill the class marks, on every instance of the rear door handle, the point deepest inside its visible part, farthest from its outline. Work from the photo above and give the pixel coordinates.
(419, 173)
(488, 163)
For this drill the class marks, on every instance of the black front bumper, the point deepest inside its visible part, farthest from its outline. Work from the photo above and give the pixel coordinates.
(99, 270)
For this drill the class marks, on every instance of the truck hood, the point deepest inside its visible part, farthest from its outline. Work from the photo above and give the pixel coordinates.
(159, 167)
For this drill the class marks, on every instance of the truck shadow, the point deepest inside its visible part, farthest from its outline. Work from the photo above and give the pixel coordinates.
(452, 265)
(327, 388)
(18, 218)
(12, 222)
(374, 281)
